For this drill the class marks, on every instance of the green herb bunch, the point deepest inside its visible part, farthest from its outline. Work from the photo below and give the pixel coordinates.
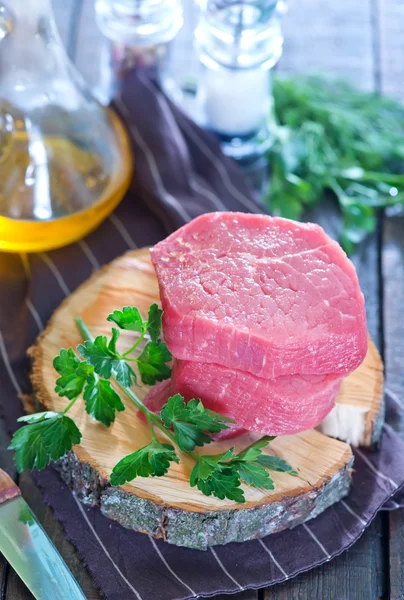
(49, 435)
(330, 137)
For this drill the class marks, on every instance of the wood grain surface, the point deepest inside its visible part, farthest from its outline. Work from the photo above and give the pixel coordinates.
(367, 46)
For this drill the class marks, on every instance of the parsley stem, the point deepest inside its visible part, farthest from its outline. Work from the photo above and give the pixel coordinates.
(151, 417)
(128, 392)
(82, 327)
(135, 345)
(152, 432)
(265, 438)
(68, 407)
(164, 429)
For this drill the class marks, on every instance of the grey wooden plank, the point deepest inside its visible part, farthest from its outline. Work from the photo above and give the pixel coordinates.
(393, 299)
(247, 595)
(391, 21)
(329, 37)
(396, 520)
(350, 576)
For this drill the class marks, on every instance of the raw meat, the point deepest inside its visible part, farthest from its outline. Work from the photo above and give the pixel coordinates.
(282, 406)
(264, 295)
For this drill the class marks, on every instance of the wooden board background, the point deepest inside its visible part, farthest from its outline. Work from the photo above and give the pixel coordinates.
(362, 40)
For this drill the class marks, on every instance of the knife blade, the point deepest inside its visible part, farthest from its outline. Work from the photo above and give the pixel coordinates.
(28, 549)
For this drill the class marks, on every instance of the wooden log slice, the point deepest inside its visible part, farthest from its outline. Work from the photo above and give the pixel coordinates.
(358, 415)
(167, 507)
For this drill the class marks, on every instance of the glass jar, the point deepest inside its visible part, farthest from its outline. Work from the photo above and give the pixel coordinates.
(65, 161)
(238, 42)
(138, 35)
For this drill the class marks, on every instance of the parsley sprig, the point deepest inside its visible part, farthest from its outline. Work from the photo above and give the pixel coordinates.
(331, 138)
(221, 475)
(49, 435)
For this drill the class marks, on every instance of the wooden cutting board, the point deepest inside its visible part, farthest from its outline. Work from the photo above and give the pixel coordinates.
(167, 507)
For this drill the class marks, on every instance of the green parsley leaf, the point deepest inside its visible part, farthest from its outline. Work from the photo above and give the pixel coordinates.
(207, 463)
(66, 362)
(252, 464)
(253, 474)
(124, 373)
(188, 436)
(98, 355)
(173, 410)
(152, 363)
(104, 358)
(191, 422)
(220, 481)
(38, 444)
(154, 322)
(41, 416)
(73, 374)
(330, 137)
(153, 459)
(205, 419)
(128, 318)
(213, 471)
(101, 400)
(251, 453)
(202, 470)
(274, 463)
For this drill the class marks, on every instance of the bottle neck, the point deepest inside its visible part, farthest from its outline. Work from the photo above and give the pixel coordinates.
(28, 25)
(34, 66)
(30, 14)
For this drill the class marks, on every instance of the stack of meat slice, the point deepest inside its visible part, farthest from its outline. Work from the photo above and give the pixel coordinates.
(264, 317)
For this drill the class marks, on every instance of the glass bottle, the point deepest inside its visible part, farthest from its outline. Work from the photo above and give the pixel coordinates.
(239, 41)
(141, 23)
(139, 35)
(65, 161)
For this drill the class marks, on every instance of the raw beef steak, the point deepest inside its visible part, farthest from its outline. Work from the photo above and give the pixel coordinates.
(265, 295)
(281, 406)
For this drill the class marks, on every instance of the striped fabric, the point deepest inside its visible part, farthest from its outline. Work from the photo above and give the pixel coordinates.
(179, 174)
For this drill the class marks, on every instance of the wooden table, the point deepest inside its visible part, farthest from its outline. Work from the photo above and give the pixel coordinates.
(361, 40)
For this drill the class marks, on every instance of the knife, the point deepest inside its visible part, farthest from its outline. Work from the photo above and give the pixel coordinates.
(29, 550)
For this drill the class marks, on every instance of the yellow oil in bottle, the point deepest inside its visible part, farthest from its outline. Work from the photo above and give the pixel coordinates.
(54, 190)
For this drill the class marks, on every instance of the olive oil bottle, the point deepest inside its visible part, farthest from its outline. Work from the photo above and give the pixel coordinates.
(65, 161)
